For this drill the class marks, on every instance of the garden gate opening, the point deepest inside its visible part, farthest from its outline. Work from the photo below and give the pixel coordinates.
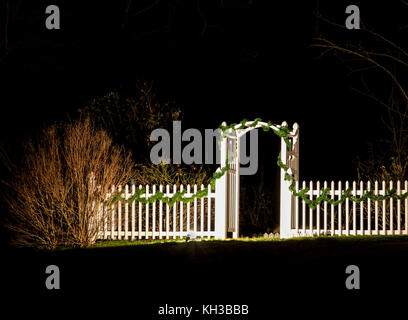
(231, 146)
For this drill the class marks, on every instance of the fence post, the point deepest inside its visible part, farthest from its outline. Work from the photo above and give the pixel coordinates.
(220, 197)
(237, 187)
(285, 197)
(287, 203)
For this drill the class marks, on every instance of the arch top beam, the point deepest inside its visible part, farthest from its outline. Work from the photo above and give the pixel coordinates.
(240, 132)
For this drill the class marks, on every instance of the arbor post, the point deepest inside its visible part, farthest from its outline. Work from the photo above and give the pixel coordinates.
(221, 196)
(287, 201)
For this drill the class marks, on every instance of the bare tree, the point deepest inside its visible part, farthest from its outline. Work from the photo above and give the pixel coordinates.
(4, 26)
(131, 119)
(382, 63)
(9, 11)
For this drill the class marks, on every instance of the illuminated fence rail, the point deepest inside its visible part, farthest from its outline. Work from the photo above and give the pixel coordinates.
(158, 220)
(368, 217)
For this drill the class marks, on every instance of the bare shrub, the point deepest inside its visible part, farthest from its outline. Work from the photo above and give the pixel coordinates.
(56, 195)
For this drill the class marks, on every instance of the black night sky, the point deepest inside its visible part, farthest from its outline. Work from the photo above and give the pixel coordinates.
(219, 63)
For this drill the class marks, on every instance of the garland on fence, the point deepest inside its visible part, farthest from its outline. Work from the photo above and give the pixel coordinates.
(140, 194)
(283, 132)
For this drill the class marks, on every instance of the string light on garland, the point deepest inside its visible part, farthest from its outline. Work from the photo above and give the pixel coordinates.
(283, 132)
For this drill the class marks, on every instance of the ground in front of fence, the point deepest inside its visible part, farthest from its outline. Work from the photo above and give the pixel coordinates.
(294, 276)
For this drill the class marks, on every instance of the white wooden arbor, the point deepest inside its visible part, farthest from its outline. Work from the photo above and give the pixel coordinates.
(227, 207)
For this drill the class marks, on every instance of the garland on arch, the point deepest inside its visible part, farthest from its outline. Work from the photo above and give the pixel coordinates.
(283, 132)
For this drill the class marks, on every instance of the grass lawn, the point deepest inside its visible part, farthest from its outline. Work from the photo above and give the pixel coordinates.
(289, 242)
(300, 249)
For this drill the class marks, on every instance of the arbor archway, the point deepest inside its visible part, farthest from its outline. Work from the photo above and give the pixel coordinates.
(289, 157)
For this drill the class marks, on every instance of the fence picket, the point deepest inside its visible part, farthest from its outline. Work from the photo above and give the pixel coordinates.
(181, 213)
(195, 210)
(398, 208)
(188, 209)
(147, 214)
(167, 213)
(332, 209)
(154, 214)
(126, 213)
(133, 213)
(361, 210)
(139, 230)
(369, 210)
(391, 211)
(202, 212)
(384, 208)
(354, 209)
(209, 210)
(376, 208)
(160, 214)
(303, 211)
(296, 209)
(339, 211)
(113, 216)
(348, 210)
(311, 210)
(325, 211)
(406, 208)
(318, 209)
(105, 227)
(174, 213)
(119, 221)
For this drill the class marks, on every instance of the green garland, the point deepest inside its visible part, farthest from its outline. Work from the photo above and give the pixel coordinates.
(283, 132)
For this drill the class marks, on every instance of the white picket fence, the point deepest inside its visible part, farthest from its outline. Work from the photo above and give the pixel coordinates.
(136, 220)
(218, 213)
(369, 217)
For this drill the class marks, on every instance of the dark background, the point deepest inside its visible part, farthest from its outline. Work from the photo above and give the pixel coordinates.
(219, 60)
(243, 59)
